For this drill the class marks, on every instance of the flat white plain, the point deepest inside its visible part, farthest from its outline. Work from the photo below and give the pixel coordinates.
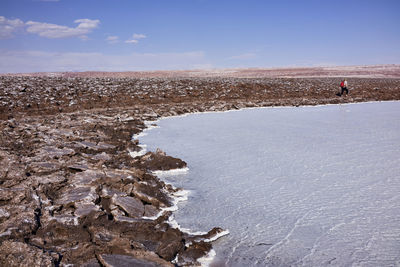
(305, 186)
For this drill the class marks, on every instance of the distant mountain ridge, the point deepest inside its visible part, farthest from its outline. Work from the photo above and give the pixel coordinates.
(361, 71)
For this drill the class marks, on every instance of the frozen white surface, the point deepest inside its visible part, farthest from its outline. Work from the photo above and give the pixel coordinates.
(135, 154)
(207, 259)
(306, 186)
(172, 172)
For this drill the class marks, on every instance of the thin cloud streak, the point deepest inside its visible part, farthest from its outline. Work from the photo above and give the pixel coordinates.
(138, 36)
(54, 31)
(9, 26)
(112, 39)
(132, 41)
(135, 38)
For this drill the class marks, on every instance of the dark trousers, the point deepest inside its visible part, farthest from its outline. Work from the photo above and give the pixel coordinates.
(344, 89)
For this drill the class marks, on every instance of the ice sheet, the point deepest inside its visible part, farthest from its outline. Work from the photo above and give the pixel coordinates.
(305, 186)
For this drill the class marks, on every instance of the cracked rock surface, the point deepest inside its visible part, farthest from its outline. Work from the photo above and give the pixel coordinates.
(72, 194)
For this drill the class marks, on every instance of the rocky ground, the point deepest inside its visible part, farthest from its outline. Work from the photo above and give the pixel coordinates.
(73, 192)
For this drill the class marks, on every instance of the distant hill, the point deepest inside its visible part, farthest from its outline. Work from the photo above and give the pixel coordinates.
(367, 71)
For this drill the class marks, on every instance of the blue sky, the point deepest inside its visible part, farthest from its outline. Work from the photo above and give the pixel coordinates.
(123, 35)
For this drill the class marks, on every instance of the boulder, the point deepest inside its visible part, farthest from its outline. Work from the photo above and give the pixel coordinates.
(75, 194)
(132, 206)
(171, 243)
(160, 161)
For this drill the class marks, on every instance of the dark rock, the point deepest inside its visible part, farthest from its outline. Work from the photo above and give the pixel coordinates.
(172, 243)
(79, 167)
(211, 234)
(103, 156)
(150, 211)
(84, 209)
(87, 177)
(56, 152)
(75, 194)
(193, 252)
(159, 161)
(132, 206)
(124, 261)
(43, 167)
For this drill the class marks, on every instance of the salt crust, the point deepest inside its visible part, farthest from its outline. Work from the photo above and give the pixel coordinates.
(217, 236)
(172, 172)
(207, 259)
(149, 126)
(135, 154)
(153, 126)
(182, 195)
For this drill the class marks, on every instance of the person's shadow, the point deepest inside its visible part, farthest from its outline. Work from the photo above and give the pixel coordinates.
(338, 94)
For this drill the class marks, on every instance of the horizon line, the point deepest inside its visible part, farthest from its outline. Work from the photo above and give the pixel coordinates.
(204, 69)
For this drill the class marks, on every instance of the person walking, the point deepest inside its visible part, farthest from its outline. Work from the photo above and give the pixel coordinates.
(343, 86)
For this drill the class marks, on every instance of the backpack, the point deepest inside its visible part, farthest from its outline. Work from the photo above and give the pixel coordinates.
(342, 84)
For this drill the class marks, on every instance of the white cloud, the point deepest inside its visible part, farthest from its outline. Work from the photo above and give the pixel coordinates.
(135, 38)
(40, 61)
(9, 26)
(244, 56)
(132, 41)
(113, 39)
(53, 31)
(138, 36)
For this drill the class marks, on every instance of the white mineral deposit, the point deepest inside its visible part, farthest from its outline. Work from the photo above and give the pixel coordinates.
(305, 186)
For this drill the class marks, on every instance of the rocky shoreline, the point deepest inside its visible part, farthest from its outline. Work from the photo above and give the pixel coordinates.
(75, 189)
